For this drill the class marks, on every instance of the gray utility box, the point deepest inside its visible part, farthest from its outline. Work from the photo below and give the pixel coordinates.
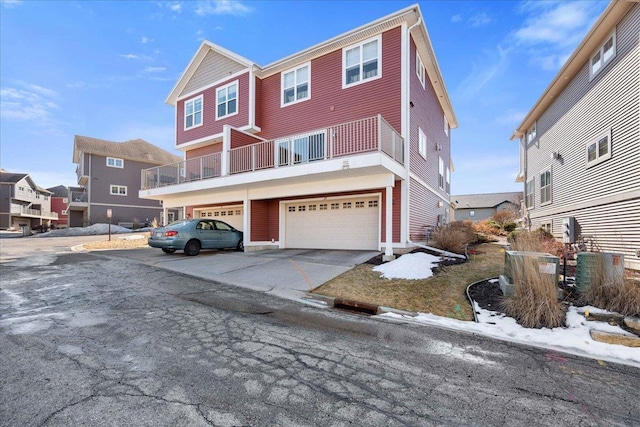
(514, 266)
(592, 266)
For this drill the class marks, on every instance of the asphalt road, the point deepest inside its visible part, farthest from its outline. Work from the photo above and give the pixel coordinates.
(88, 339)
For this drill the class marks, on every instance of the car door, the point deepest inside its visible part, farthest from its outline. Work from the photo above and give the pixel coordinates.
(207, 234)
(226, 235)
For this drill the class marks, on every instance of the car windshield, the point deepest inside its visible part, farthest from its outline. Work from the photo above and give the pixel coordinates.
(179, 223)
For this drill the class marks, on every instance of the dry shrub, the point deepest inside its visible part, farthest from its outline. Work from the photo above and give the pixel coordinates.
(610, 293)
(487, 226)
(155, 223)
(503, 218)
(454, 237)
(536, 241)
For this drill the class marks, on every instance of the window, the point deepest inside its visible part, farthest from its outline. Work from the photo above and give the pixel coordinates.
(64, 212)
(529, 193)
(472, 213)
(373, 203)
(546, 226)
(227, 100)
(323, 206)
(113, 162)
(193, 113)
(422, 143)
(21, 190)
(362, 62)
(545, 187)
(312, 207)
(302, 208)
(441, 173)
(532, 133)
(604, 55)
(296, 85)
(301, 149)
(360, 204)
(118, 190)
(335, 205)
(599, 149)
(420, 69)
(292, 209)
(446, 126)
(346, 205)
(448, 181)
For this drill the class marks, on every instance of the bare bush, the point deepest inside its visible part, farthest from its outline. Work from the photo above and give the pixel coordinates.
(155, 223)
(487, 226)
(535, 241)
(454, 237)
(504, 217)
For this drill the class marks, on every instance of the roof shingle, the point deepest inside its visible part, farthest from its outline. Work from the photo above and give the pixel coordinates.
(135, 149)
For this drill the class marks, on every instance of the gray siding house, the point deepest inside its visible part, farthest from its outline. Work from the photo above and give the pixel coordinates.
(580, 143)
(476, 207)
(109, 179)
(23, 203)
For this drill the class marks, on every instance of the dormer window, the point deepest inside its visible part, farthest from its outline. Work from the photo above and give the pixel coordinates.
(193, 113)
(604, 55)
(362, 62)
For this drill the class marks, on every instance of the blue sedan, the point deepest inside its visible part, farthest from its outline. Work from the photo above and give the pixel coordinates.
(191, 235)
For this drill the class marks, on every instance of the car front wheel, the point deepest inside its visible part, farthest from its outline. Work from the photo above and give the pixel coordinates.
(192, 248)
(168, 251)
(240, 245)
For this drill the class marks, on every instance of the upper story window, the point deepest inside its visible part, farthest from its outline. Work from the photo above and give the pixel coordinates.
(296, 84)
(440, 173)
(532, 133)
(599, 149)
(529, 193)
(446, 126)
(193, 113)
(448, 181)
(604, 55)
(118, 190)
(227, 100)
(362, 62)
(420, 72)
(422, 143)
(114, 162)
(545, 187)
(21, 190)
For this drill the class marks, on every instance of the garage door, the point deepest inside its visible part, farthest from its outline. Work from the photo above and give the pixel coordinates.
(232, 215)
(333, 224)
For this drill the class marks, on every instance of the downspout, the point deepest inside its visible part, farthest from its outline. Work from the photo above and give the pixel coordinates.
(408, 163)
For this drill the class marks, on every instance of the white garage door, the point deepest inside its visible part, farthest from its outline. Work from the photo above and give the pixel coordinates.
(232, 215)
(333, 224)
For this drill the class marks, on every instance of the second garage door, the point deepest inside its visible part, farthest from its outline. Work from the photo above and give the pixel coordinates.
(333, 224)
(232, 215)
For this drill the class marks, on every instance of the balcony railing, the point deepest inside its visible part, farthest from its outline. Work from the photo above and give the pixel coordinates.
(78, 197)
(21, 210)
(361, 136)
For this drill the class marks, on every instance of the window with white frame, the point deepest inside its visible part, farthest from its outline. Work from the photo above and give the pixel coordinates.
(64, 212)
(545, 187)
(362, 62)
(113, 162)
(440, 173)
(446, 126)
(448, 181)
(604, 55)
(118, 190)
(193, 113)
(546, 226)
(21, 190)
(296, 84)
(420, 72)
(532, 133)
(599, 149)
(227, 100)
(422, 143)
(530, 193)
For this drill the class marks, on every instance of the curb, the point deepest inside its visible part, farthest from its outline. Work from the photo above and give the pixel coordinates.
(357, 306)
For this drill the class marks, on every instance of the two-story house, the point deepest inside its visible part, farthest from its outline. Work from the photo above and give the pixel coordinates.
(477, 207)
(344, 145)
(59, 202)
(580, 143)
(23, 204)
(109, 180)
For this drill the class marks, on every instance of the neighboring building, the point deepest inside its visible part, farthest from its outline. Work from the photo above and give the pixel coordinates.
(23, 203)
(476, 207)
(580, 143)
(109, 179)
(59, 202)
(345, 145)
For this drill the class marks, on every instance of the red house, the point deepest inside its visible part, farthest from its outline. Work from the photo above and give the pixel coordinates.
(345, 145)
(59, 201)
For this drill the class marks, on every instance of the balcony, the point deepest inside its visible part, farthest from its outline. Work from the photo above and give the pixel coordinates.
(33, 213)
(78, 200)
(82, 177)
(369, 135)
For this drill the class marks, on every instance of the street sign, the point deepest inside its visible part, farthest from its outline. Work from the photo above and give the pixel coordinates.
(109, 213)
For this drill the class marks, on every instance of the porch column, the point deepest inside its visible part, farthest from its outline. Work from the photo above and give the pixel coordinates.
(388, 252)
(165, 216)
(226, 146)
(246, 221)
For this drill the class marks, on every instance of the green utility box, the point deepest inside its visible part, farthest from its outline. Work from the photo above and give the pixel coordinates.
(598, 265)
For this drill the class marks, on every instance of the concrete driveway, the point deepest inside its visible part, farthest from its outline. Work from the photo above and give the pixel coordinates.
(287, 273)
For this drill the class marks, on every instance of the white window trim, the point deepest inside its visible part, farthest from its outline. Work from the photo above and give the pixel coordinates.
(422, 143)
(550, 185)
(446, 126)
(420, 70)
(448, 180)
(441, 183)
(63, 212)
(532, 180)
(115, 162)
(344, 62)
(602, 61)
(117, 187)
(598, 159)
(532, 133)
(295, 84)
(194, 99)
(225, 87)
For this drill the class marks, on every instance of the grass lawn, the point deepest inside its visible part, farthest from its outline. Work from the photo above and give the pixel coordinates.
(443, 294)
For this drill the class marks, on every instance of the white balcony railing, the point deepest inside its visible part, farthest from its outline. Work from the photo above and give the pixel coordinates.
(361, 136)
(21, 210)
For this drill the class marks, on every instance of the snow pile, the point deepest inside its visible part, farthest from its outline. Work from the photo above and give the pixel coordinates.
(410, 266)
(92, 230)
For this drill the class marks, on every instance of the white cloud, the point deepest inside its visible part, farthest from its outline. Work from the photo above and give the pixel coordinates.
(221, 7)
(145, 40)
(29, 102)
(10, 3)
(492, 66)
(176, 7)
(511, 117)
(129, 56)
(133, 56)
(456, 18)
(479, 19)
(561, 24)
(154, 69)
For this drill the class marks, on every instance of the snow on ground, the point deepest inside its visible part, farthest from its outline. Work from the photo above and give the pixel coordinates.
(410, 266)
(94, 229)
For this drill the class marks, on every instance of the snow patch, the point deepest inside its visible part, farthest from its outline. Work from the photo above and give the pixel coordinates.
(410, 266)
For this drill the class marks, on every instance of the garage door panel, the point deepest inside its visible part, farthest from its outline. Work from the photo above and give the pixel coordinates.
(234, 216)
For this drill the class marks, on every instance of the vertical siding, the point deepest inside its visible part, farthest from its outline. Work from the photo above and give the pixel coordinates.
(584, 110)
(213, 67)
(329, 103)
(211, 126)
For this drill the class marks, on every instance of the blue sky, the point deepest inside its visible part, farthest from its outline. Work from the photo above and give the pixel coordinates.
(104, 69)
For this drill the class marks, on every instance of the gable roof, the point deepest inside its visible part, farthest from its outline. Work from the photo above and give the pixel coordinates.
(135, 149)
(489, 200)
(11, 178)
(603, 27)
(59, 191)
(411, 16)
